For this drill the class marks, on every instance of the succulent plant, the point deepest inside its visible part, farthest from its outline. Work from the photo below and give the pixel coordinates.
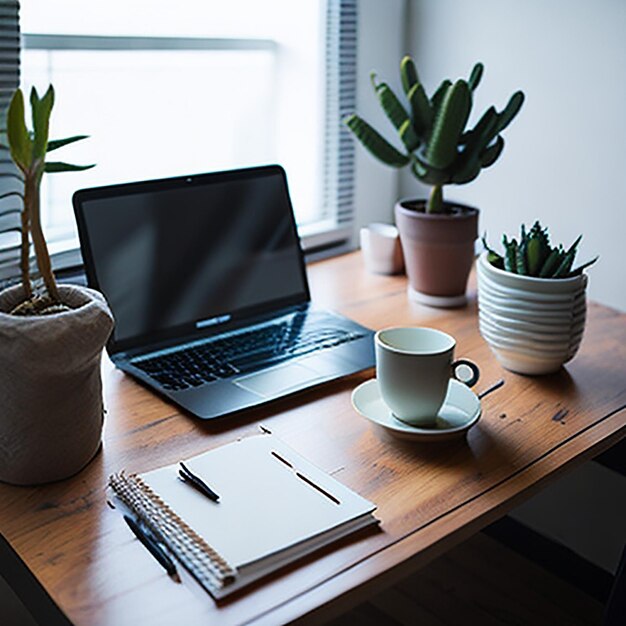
(534, 256)
(437, 147)
(28, 150)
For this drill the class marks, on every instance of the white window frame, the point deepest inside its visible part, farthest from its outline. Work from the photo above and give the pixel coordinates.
(331, 235)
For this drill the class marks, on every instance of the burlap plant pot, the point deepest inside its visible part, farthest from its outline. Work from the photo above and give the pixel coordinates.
(51, 408)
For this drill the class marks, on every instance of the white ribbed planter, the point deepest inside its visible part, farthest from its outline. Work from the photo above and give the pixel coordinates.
(51, 412)
(533, 325)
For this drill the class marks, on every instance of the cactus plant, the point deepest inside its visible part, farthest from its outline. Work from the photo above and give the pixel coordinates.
(534, 256)
(28, 150)
(437, 146)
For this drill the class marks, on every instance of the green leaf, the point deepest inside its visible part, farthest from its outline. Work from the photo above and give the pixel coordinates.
(449, 124)
(495, 259)
(408, 135)
(53, 167)
(573, 247)
(492, 256)
(491, 153)
(55, 144)
(421, 110)
(580, 268)
(438, 96)
(41, 109)
(510, 256)
(511, 110)
(520, 255)
(551, 263)
(408, 74)
(373, 80)
(541, 234)
(487, 246)
(535, 255)
(475, 76)
(19, 140)
(468, 164)
(467, 172)
(426, 173)
(567, 260)
(375, 143)
(485, 128)
(565, 265)
(34, 101)
(392, 106)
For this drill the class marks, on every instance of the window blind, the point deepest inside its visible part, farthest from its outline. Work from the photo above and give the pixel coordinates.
(342, 69)
(10, 206)
(339, 168)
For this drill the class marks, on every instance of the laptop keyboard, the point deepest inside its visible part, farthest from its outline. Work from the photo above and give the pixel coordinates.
(242, 353)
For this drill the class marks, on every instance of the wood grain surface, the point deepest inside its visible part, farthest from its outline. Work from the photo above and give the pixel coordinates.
(429, 497)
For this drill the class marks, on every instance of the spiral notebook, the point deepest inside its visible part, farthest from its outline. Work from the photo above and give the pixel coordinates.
(274, 508)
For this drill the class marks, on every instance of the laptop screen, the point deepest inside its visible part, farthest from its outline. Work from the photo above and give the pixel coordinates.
(191, 252)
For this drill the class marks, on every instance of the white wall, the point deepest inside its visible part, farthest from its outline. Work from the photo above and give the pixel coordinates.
(565, 155)
(380, 47)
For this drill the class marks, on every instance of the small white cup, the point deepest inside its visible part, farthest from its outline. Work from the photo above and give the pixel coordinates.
(413, 368)
(381, 248)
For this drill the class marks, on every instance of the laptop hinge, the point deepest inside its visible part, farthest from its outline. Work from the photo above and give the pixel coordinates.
(173, 345)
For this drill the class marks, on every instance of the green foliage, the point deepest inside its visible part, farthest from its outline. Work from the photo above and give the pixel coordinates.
(20, 143)
(436, 145)
(55, 144)
(28, 149)
(534, 256)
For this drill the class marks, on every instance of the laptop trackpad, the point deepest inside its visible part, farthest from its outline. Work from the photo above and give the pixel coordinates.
(279, 379)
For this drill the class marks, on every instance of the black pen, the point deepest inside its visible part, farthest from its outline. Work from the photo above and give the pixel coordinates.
(195, 481)
(154, 548)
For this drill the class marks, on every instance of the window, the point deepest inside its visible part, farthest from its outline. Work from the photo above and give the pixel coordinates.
(166, 89)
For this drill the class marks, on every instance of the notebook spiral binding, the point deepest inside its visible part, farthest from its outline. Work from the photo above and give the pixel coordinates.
(208, 567)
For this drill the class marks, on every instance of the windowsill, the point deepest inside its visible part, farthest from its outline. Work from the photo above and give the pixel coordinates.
(322, 235)
(64, 253)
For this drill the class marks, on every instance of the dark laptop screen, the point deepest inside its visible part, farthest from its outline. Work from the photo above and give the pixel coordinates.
(194, 251)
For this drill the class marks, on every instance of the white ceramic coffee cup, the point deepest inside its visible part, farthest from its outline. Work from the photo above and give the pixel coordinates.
(413, 368)
(382, 252)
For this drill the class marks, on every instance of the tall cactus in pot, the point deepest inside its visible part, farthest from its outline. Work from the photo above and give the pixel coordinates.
(437, 146)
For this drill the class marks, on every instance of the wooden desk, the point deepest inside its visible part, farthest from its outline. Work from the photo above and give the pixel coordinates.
(429, 498)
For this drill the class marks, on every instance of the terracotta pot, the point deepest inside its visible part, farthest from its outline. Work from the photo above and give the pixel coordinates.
(51, 412)
(438, 251)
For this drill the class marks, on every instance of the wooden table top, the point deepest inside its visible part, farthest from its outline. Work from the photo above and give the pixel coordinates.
(429, 497)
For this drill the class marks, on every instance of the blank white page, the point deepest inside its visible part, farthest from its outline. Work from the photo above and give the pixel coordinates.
(264, 506)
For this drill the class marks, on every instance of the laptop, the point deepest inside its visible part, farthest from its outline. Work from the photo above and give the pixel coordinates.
(205, 277)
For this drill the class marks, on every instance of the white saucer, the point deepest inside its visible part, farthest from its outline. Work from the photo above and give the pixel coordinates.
(460, 411)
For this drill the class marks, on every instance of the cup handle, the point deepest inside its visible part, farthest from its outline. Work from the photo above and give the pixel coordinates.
(475, 372)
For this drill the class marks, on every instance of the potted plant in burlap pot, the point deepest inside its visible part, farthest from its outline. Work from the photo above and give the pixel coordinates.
(437, 236)
(51, 336)
(531, 301)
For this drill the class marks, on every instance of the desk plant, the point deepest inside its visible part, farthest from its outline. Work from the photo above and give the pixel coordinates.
(439, 149)
(51, 336)
(533, 255)
(531, 299)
